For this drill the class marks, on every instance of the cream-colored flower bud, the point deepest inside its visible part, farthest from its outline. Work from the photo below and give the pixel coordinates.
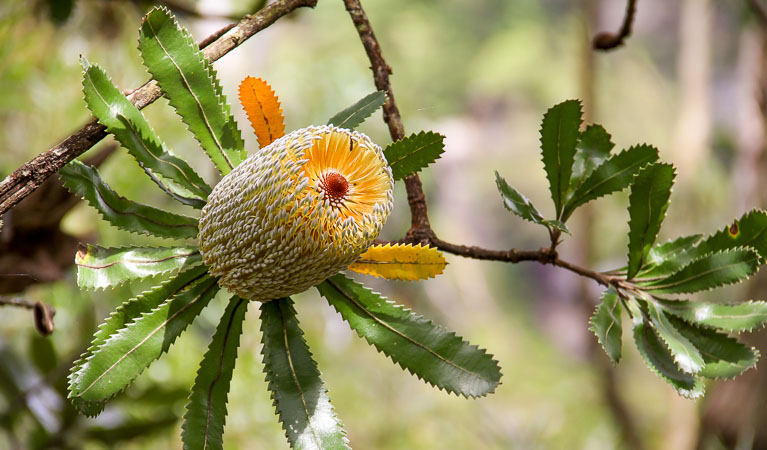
(298, 211)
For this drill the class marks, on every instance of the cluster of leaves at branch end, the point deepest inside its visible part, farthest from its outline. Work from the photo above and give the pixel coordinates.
(683, 341)
(579, 166)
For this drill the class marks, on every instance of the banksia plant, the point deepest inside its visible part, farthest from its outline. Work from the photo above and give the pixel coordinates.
(291, 216)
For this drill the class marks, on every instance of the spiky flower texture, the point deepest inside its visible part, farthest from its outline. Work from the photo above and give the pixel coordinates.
(296, 212)
(303, 207)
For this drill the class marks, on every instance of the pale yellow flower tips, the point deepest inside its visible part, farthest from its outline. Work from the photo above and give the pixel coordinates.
(298, 211)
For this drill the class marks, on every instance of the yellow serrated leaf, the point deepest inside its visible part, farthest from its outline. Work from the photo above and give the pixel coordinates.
(400, 262)
(263, 109)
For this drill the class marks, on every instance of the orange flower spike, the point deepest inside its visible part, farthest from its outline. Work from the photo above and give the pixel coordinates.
(263, 109)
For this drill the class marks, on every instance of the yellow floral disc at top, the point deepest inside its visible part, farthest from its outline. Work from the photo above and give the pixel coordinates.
(298, 211)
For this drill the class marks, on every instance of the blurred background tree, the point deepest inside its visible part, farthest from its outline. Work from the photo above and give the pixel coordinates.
(689, 80)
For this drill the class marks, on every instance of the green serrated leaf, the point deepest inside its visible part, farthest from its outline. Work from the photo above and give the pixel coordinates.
(432, 353)
(708, 272)
(119, 319)
(686, 356)
(665, 259)
(725, 357)
(522, 206)
(351, 117)
(125, 214)
(657, 357)
(559, 137)
(206, 411)
(593, 148)
(123, 120)
(738, 317)
(750, 230)
(100, 267)
(411, 154)
(607, 326)
(613, 175)
(299, 394)
(650, 192)
(126, 353)
(189, 82)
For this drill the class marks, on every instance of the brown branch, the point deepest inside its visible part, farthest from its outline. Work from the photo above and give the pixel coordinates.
(607, 41)
(31, 175)
(17, 302)
(420, 230)
(42, 313)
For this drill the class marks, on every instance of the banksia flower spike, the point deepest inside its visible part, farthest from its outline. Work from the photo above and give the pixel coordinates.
(302, 208)
(296, 212)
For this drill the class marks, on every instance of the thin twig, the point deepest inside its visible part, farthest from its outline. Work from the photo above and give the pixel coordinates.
(31, 175)
(16, 301)
(420, 230)
(42, 312)
(607, 41)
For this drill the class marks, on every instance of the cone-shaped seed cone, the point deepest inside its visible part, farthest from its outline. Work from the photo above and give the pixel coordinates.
(298, 211)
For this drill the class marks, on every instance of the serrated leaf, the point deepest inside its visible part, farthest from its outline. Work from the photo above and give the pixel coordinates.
(188, 81)
(737, 317)
(119, 319)
(351, 117)
(432, 353)
(126, 353)
(613, 175)
(412, 153)
(594, 146)
(750, 230)
(206, 411)
(665, 259)
(650, 192)
(263, 109)
(400, 262)
(607, 326)
(686, 356)
(708, 272)
(86, 182)
(522, 206)
(100, 267)
(657, 357)
(300, 396)
(559, 137)
(126, 123)
(724, 356)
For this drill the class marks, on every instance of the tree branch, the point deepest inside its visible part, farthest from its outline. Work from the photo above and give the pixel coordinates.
(43, 313)
(420, 229)
(31, 175)
(607, 41)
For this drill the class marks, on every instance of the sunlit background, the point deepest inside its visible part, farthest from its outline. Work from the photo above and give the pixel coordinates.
(482, 72)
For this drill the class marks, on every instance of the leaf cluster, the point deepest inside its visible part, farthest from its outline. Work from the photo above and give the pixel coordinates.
(683, 341)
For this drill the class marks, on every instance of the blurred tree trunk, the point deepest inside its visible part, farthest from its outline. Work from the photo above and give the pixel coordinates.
(735, 412)
(691, 142)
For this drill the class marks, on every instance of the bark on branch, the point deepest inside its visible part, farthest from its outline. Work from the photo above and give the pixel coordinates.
(420, 230)
(24, 180)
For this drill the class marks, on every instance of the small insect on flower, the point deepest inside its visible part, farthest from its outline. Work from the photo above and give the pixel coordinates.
(296, 212)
